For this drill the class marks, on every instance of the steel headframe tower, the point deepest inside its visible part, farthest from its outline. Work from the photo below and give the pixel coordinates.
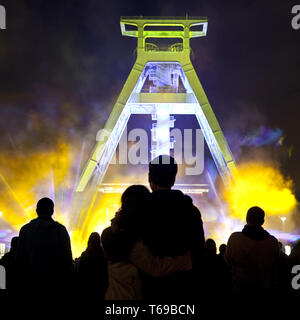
(162, 82)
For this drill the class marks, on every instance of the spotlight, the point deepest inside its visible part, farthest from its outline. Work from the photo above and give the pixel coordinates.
(287, 250)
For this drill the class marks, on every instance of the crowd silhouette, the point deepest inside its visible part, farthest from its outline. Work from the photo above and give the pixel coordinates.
(155, 249)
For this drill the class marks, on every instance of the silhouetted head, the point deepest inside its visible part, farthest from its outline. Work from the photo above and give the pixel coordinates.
(94, 241)
(134, 198)
(162, 172)
(222, 249)
(211, 246)
(255, 216)
(45, 208)
(14, 243)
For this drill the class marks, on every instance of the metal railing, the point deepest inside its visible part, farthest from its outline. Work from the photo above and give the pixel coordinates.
(177, 47)
(163, 18)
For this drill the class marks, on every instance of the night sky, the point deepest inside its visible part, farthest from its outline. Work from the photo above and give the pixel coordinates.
(63, 64)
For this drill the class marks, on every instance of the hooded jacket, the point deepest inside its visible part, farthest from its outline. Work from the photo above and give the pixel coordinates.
(252, 255)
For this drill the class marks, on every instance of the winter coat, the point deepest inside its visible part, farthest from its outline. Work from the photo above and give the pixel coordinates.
(252, 255)
(44, 256)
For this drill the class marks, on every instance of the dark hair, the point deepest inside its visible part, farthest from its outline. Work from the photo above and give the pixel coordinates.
(163, 170)
(256, 216)
(211, 246)
(45, 207)
(222, 248)
(94, 240)
(210, 242)
(134, 197)
(14, 243)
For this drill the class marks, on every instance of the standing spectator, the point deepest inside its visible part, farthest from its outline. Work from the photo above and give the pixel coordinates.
(211, 267)
(211, 248)
(172, 227)
(222, 249)
(44, 255)
(218, 277)
(225, 274)
(8, 261)
(252, 254)
(92, 268)
(119, 239)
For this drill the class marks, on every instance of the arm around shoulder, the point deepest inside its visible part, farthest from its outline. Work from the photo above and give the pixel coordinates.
(144, 260)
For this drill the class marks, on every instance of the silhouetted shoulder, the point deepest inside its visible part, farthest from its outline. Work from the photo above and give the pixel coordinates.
(274, 241)
(188, 199)
(189, 202)
(113, 245)
(28, 225)
(106, 235)
(235, 235)
(40, 224)
(27, 229)
(60, 227)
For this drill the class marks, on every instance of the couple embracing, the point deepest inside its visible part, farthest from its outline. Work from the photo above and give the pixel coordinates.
(156, 240)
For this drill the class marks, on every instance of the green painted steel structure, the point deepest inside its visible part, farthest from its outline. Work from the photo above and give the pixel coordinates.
(132, 101)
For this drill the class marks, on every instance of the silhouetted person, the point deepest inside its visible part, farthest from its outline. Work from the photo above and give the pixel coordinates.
(225, 274)
(211, 266)
(44, 252)
(92, 268)
(128, 254)
(126, 226)
(211, 247)
(222, 249)
(119, 239)
(9, 262)
(253, 254)
(172, 227)
(217, 275)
